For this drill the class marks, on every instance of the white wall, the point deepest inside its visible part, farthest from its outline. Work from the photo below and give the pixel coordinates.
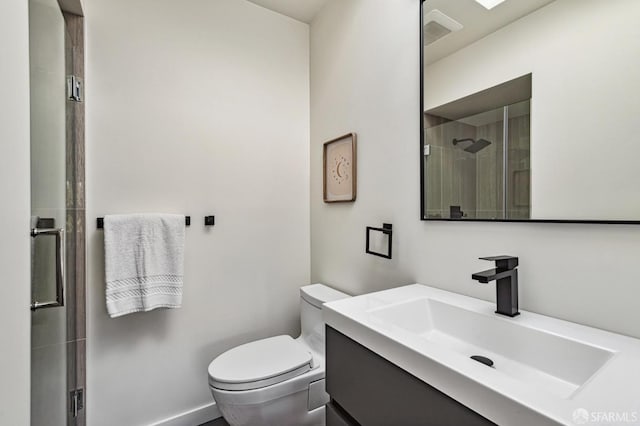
(584, 127)
(195, 107)
(14, 192)
(365, 78)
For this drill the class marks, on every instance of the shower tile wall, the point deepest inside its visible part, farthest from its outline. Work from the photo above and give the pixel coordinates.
(450, 171)
(519, 189)
(76, 219)
(489, 172)
(489, 178)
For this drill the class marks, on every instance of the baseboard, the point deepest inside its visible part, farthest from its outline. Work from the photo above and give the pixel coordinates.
(194, 417)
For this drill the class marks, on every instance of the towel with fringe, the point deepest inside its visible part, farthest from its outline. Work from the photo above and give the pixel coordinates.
(144, 262)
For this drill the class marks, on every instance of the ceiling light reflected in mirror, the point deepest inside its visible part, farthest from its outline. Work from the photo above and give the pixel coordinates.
(489, 4)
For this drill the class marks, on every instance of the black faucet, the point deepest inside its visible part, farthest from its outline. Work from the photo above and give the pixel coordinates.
(506, 276)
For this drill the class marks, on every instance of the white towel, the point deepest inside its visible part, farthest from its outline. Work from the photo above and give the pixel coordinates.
(144, 262)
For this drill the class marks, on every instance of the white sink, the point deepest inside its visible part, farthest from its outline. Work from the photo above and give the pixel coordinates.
(546, 371)
(550, 362)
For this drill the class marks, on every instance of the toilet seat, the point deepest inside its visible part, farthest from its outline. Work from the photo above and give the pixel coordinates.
(259, 364)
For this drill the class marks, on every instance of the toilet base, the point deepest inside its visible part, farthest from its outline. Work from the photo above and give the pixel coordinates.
(289, 410)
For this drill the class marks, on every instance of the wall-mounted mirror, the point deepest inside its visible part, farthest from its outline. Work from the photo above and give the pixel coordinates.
(531, 110)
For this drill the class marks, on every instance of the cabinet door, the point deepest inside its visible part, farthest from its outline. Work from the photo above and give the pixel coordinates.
(376, 392)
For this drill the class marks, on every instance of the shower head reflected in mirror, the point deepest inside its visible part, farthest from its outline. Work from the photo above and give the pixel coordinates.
(471, 145)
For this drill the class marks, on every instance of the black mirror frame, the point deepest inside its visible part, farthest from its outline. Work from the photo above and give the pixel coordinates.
(421, 157)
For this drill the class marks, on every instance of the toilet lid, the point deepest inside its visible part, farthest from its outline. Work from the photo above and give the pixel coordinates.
(258, 364)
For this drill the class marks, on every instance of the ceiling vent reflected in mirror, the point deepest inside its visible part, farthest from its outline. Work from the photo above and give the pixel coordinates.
(468, 21)
(438, 25)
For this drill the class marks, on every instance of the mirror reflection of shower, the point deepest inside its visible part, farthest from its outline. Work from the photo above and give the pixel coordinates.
(477, 156)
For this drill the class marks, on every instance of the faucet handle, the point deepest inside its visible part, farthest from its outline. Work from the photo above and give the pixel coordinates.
(503, 262)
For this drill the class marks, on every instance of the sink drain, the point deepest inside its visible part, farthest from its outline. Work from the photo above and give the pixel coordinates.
(483, 359)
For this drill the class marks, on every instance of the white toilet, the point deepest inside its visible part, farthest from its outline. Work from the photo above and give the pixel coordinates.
(278, 381)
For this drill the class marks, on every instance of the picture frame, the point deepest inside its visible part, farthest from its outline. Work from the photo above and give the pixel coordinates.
(339, 169)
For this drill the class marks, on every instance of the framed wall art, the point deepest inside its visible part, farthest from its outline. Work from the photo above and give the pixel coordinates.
(339, 169)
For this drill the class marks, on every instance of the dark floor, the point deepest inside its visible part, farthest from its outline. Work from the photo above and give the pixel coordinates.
(216, 422)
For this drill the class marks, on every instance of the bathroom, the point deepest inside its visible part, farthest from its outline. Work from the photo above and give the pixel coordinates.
(222, 108)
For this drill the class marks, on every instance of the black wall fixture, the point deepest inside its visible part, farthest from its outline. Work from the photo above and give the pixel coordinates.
(100, 222)
(386, 229)
(208, 221)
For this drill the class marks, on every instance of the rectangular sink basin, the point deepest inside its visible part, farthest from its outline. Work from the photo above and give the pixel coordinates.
(543, 360)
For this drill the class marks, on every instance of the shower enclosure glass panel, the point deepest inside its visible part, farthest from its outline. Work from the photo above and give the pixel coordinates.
(468, 172)
(53, 338)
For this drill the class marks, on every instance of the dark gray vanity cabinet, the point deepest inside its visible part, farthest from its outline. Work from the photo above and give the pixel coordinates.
(368, 390)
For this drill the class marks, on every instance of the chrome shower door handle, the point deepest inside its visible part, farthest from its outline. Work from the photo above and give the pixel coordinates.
(58, 233)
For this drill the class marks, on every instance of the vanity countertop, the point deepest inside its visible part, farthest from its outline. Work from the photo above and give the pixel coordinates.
(547, 371)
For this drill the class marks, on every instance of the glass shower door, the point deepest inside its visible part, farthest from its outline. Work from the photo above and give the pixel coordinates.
(49, 347)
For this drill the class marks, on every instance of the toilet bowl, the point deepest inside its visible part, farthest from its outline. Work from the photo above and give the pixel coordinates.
(278, 381)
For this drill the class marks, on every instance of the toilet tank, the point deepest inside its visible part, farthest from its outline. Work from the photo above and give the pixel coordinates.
(311, 299)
